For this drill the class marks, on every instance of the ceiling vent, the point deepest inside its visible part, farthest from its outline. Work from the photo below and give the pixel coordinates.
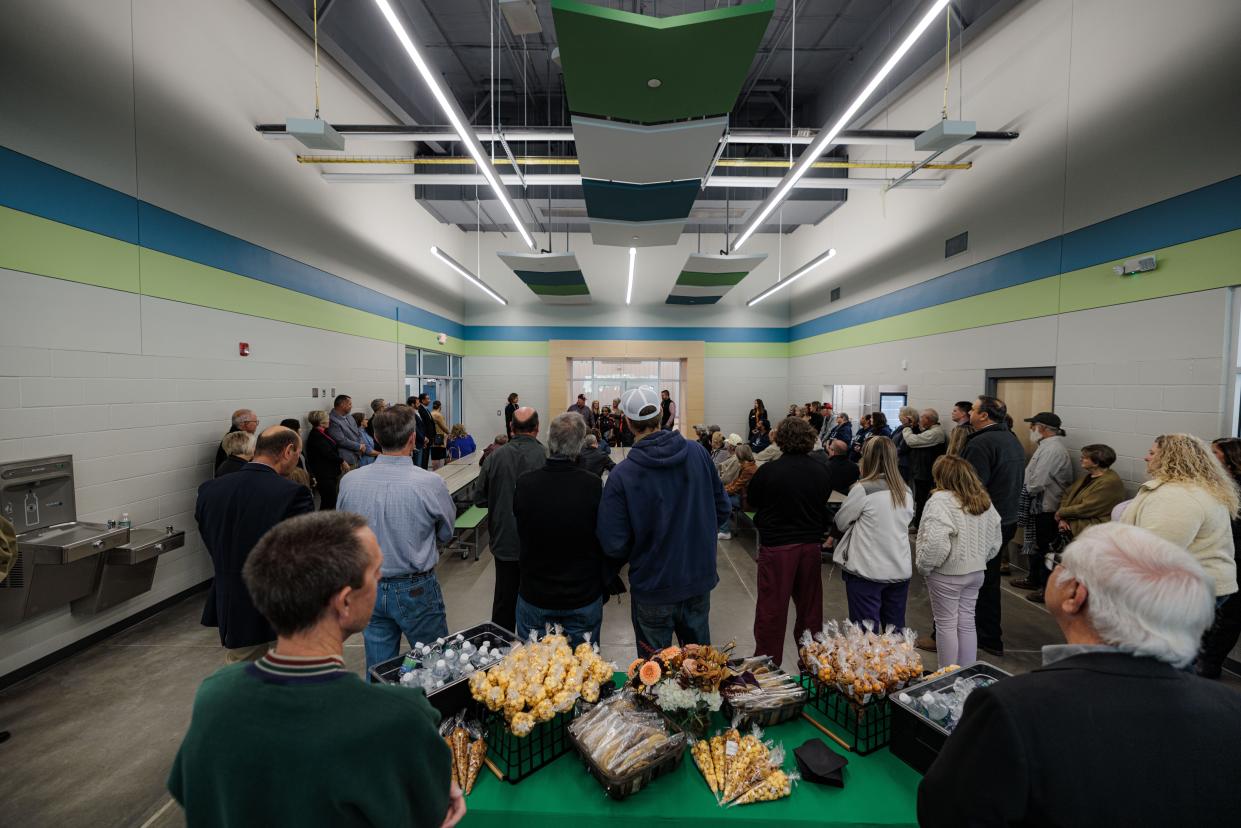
(957, 244)
(835, 294)
(522, 16)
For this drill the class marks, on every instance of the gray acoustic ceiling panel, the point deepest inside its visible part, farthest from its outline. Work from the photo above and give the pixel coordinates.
(636, 233)
(637, 154)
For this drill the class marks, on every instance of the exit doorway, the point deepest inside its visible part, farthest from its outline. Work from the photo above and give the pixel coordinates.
(1026, 392)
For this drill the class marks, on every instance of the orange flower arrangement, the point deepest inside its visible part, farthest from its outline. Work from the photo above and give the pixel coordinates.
(650, 673)
(633, 668)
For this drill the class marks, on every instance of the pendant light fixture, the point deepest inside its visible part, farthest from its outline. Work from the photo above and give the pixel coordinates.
(793, 277)
(467, 275)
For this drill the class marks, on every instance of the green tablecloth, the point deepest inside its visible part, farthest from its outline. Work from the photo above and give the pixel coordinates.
(880, 790)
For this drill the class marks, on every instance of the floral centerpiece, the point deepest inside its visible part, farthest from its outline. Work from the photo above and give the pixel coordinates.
(684, 682)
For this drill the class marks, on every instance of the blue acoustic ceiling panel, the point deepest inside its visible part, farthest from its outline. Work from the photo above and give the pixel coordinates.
(553, 277)
(614, 201)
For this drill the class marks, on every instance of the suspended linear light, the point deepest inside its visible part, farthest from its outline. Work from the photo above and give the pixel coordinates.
(793, 277)
(828, 136)
(456, 117)
(469, 277)
(633, 252)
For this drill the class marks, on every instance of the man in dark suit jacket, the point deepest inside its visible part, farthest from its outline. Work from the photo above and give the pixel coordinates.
(1100, 735)
(233, 512)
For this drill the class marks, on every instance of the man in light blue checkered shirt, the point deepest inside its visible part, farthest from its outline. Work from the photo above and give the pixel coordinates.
(409, 509)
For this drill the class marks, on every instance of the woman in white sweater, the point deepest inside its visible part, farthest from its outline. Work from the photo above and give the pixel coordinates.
(959, 533)
(874, 552)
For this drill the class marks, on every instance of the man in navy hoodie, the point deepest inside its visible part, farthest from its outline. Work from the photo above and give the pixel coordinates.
(660, 511)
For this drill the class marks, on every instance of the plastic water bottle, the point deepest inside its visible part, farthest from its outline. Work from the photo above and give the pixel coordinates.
(125, 522)
(409, 664)
(440, 672)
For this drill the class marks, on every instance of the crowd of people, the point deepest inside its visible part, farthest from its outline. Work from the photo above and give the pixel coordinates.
(1143, 588)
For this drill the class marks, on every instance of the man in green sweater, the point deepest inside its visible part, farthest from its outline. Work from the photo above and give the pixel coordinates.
(295, 739)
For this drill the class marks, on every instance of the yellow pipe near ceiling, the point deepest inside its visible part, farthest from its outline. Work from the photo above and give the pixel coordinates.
(539, 161)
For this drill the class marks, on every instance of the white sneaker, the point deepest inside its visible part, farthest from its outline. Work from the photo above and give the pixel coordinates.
(724, 535)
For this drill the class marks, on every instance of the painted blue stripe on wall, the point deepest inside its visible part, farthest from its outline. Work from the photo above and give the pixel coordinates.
(176, 235)
(40, 189)
(532, 333)
(1215, 208)
(1038, 261)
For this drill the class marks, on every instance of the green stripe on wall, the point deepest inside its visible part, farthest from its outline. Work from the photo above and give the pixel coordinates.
(1202, 264)
(765, 350)
(1040, 298)
(422, 338)
(48, 248)
(31, 244)
(169, 277)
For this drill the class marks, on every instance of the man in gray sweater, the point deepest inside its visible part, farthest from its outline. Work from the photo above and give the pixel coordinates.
(1048, 474)
(497, 483)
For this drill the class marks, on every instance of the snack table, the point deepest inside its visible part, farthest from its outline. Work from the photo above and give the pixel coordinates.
(880, 790)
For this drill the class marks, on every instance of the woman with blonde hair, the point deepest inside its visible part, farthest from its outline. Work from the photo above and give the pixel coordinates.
(874, 552)
(957, 438)
(1190, 500)
(959, 533)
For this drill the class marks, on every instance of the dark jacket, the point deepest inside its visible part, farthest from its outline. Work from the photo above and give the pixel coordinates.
(508, 418)
(233, 512)
(902, 450)
(557, 508)
(322, 458)
(497, 481)
(230, 465)
(220, 455)
(859, 440)
(661, 511)
(996, 454)
(840, 432)
(922, 459)
(789, 498)
(584, 412)
(595, 461)
(426, 427)
(758, 442)
(1133, 742)
(754, 421)
(843, 473)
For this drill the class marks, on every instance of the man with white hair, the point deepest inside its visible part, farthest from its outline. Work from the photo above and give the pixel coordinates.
(243, 420)
(1110, 730)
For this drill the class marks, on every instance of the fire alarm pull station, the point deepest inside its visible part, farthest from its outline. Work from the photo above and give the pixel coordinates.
(243, 348)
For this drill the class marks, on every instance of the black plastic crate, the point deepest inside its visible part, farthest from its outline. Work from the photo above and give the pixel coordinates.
(620, 787)
(869, 724)
(917, 740)
(519, 756)
(770, 716)
(454, 697)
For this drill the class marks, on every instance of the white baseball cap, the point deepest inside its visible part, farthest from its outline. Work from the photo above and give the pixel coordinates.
(734, 440)
(640, 404)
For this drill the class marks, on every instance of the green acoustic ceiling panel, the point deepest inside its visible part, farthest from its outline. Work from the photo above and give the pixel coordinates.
(613, 201)
(553, 277)
(637, 154)
(706, 278)
(652, 70)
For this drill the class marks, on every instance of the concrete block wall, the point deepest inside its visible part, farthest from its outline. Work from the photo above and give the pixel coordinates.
(1124, 374)
(139, 390)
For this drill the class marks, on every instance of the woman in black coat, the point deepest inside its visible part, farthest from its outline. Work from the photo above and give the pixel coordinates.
(323, 460)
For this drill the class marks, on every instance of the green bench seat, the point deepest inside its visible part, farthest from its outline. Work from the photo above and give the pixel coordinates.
(470, 518)
(468, 531)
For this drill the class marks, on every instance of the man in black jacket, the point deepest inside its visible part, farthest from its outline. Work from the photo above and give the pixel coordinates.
(996, 454)
(426, 428)
(562, 563)
(233, 512)
(592, 458)
(844, 472)
(1109, 731)
(495, 490)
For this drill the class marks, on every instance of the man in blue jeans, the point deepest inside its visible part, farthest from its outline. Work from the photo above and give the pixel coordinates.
(409, 509)
(660, 511)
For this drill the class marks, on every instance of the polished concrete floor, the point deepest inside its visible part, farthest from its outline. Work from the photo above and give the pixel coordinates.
(93, 738)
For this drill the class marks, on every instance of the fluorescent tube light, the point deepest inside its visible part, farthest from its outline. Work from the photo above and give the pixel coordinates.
(633, 251)
(469, 277)
(828, 136)
(793, 277)
(456, 117)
